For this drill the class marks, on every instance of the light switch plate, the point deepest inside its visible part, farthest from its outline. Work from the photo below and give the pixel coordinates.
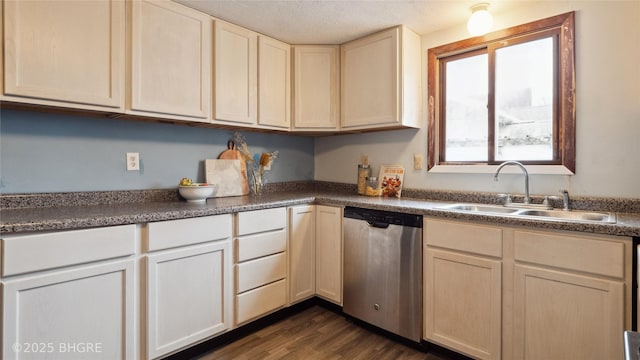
(417, 161)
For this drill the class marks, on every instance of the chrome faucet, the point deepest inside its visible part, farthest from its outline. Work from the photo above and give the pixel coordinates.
(565, 199)
(527, 199)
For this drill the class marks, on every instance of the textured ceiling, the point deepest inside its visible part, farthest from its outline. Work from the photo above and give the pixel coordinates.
(338, 21)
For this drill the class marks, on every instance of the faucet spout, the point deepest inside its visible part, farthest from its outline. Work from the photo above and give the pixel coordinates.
(527, 199)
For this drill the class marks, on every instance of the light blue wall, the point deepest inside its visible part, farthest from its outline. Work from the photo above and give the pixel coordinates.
(42, 152)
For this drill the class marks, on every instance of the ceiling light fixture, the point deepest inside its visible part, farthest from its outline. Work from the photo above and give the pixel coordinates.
(481, 20)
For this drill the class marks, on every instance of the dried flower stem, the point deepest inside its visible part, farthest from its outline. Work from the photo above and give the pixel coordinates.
(256, 167)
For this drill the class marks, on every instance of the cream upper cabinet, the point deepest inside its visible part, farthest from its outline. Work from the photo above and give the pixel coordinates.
(329, 253)
(235, 74)
(274, 83)
(65, 53)
(2, 47)
(463, 287)
(381, 81)
(170, 50)
(316, 88)
(251, 79)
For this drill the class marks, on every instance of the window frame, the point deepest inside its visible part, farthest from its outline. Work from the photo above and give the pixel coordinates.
(564, 97)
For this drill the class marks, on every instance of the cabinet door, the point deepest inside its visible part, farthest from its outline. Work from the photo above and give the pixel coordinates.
(85, 312)
(316, 82)
(2, 21)
(188, 296)
(170, 59)
(371, 80)
(274, 84)
(68, 53)
(560, 315)
(329, 253)
(302, 253)
(235, 74)
(462, 303)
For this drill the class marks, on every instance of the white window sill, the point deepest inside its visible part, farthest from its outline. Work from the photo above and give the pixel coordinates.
(490, 169)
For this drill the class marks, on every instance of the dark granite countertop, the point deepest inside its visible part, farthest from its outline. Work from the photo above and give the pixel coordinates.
(48, 218)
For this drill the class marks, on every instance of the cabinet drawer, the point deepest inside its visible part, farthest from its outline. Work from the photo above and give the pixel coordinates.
(254, 273)
(174, 233)
(258, 245)
(471, 238)
(35, 252)
(251, 222)
(579, 253)
(262, 300)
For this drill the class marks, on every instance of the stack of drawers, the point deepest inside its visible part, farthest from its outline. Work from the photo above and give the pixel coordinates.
(261, 263)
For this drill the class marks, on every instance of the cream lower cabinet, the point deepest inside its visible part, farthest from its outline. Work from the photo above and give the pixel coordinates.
(63, 304)
(329, 253)
(516, 293)
(463, 287)
(302, 252)
(260, 263)
(188, 282)
(65, 53)
(569, 295)
(315, 253)
(170, 50)
(381, 85)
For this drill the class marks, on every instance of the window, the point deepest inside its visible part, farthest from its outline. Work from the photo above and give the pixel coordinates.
(508, 95)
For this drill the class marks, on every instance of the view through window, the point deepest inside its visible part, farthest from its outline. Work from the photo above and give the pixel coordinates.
(506, 96)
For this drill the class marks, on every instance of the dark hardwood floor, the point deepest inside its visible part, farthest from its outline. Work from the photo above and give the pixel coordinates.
(317, 334)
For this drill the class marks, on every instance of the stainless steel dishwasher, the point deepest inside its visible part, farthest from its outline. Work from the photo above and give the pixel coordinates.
(383, 270)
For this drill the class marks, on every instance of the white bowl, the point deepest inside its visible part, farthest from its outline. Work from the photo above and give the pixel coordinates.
(197, 193)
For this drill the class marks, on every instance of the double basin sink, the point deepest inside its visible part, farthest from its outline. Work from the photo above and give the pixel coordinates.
(558, 215)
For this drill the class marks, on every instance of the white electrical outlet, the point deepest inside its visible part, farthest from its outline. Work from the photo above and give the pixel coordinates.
(133, 161)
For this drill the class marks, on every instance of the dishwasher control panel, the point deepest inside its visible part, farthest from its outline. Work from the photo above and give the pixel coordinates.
(381, 217)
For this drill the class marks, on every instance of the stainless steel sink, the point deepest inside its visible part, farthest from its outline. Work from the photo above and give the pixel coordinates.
(479, 208)
(571, 215)
(561, 215)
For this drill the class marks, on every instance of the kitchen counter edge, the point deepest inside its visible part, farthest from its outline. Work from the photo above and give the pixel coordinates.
(14, 221)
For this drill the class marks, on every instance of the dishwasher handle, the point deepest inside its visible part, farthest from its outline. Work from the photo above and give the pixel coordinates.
(375, 224)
